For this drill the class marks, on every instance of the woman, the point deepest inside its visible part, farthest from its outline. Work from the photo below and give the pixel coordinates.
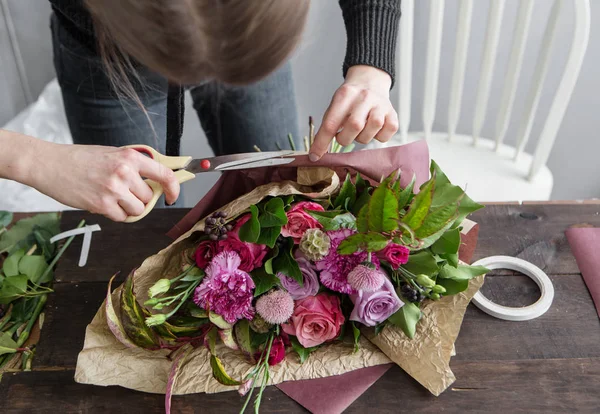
(123, 64)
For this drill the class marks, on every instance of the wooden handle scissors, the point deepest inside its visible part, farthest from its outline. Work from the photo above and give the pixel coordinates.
(186, 168)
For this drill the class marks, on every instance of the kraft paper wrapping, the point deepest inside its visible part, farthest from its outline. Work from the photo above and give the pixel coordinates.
(105, 361)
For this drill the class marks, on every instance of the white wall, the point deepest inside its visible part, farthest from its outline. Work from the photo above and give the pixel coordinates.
(317, 66)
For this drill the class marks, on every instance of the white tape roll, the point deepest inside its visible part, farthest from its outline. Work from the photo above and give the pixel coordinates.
(516, 314)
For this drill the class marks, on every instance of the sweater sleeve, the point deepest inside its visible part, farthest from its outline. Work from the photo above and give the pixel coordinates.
(372, 30)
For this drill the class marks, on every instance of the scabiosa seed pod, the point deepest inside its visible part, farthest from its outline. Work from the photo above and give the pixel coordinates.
(275, 307)
(259, 325)
(366, 277)
(315, 244)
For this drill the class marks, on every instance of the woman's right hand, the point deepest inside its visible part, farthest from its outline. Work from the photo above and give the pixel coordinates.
(102, 180)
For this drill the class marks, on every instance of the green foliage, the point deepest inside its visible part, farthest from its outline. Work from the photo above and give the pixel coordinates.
(368, 242)
(407, 318)
(263, 281)
(422, 262)
(302, 352)
(462, 272)
(22, 230)
(250, 230)
(264, 225)
(286, 264)
(6, 218)
(347, 195)
(132, 318)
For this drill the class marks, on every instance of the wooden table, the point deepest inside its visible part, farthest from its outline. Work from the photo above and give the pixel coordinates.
(550, 364)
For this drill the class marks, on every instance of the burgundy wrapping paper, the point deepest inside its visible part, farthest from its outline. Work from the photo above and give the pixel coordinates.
(585, 245)
(372, 164)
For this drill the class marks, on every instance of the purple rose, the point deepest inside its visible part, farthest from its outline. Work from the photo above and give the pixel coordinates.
(310, 287)
(371, 308)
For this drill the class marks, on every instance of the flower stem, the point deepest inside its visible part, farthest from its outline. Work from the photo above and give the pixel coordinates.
(36, 313)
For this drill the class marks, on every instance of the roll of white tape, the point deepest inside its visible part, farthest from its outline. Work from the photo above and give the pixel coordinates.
(516, 314)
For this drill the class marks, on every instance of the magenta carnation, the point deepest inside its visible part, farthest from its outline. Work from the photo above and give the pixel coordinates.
(366, 278)
(226, 290)
(335, 267)
(275, 307)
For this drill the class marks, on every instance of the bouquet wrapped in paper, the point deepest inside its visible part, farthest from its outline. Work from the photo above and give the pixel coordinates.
(296, 272)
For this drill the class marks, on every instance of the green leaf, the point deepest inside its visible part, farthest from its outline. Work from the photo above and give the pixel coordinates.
(302, 352)
(259, 340)
(42, 239)
(356, 334)
(449, 243)
(451, 258)
(466, 207)
(379, 327)
(268, 266)
(362, 221)
(453, 286)
(250, 230)
(406, 194)
(422, 262)
(24, 227)
(369, 242)
(437, 220)
(13, 288)
(194, 274)
(34, 267)
(429, 240)
(362, 200)
(273, 214)
(219, 372)
(6, 218)
(360, 183)
(263, 281)
(10, 267)
(133, 319)
(407, 318)
(334, 222)
(7, 345)
(382, 214)
(286, 264)
(347, 194)
(268, 236)
(420, 205)
(462, 272)
(241, 331)
(218, 321)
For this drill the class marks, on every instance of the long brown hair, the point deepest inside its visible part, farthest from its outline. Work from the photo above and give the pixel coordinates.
(190, 41)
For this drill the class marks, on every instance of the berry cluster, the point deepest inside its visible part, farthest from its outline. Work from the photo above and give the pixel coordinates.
(215, 226)
(411, 294)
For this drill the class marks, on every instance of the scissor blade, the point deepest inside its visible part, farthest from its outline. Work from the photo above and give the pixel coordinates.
(257, 164)
(236, 161)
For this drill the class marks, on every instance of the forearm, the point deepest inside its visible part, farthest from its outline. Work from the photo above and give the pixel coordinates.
(18, 153)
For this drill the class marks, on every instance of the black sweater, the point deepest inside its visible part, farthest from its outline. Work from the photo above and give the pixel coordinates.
(371, 28)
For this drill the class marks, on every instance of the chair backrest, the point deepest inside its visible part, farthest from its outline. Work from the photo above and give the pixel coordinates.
(488, 65)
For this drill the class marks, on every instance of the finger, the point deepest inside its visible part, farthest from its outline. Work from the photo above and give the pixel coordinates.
(131, 205)
(355, 123)
(115, 213)
(162, 175)
(332, 121)
(140, 189)
(390, 127)
(375, 122)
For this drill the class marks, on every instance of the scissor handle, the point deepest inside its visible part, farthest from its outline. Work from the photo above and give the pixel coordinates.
(174, 163)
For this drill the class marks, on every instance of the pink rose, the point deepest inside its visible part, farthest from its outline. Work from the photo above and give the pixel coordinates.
(251, 254)
(299, 220)
(205, 252)
(394, 254)
(316, 319)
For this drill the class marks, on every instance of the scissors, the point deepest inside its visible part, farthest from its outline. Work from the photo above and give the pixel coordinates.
(186, 168)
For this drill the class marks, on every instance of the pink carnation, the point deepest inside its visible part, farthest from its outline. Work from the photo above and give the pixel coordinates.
(335, 267)
(251, 254)
(299, 220)
(226, 290)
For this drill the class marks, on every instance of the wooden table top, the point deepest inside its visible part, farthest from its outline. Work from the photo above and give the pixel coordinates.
(550, 364)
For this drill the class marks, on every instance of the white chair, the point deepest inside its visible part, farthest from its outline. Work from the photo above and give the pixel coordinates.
(491, 170)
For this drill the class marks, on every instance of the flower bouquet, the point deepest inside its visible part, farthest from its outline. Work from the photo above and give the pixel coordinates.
(296, 279)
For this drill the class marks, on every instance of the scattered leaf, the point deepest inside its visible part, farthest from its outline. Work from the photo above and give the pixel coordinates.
(22, 228)
(7, 345)
(13, 288)
(6, 218)
(34, 267)
(10, 267)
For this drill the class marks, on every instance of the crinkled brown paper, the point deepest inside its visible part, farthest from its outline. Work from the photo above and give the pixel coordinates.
(105, 361)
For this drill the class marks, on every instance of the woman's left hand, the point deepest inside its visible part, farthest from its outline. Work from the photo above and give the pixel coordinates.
(359, 111)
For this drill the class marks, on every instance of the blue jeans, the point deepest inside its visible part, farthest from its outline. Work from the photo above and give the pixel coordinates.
(235, 119)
